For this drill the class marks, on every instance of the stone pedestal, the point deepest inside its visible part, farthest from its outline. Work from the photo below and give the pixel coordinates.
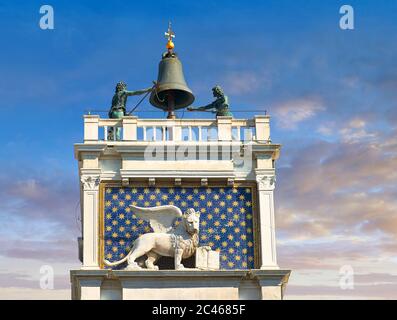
(179, 285)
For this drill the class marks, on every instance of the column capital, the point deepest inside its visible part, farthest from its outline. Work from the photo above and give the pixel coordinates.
(90, 182)
(266, 181)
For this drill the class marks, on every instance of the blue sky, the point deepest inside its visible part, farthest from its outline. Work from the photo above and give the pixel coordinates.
(331, 94)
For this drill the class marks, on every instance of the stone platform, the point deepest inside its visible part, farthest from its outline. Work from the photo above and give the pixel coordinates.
(179, 285)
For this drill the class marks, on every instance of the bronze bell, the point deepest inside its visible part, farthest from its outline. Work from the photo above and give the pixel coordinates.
(171, 92)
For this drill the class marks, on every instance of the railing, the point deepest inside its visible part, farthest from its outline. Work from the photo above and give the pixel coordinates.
(133, 129)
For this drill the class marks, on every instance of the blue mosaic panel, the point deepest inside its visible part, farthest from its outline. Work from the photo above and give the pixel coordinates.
(226, 221)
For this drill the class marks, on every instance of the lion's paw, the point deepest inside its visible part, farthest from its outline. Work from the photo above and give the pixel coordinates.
(132, 267)
(153, 267)
(180, 267)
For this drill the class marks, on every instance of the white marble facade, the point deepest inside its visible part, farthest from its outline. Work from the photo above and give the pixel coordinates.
(224, 151)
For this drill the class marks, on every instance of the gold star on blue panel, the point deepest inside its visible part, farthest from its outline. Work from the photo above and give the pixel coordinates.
(225, 222)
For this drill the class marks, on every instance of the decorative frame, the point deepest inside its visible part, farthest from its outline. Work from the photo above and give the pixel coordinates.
(171, 183)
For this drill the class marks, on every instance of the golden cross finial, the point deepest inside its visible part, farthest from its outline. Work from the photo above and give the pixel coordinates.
(169, 35)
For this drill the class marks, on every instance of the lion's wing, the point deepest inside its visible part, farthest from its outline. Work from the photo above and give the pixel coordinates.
(160, 218)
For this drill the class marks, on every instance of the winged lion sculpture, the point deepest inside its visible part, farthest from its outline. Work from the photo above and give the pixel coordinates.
(179, 242)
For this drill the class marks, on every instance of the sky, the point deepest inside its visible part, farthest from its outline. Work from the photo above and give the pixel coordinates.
(331, 95)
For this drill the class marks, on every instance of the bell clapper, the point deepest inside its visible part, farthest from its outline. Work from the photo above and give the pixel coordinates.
(171, 106)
